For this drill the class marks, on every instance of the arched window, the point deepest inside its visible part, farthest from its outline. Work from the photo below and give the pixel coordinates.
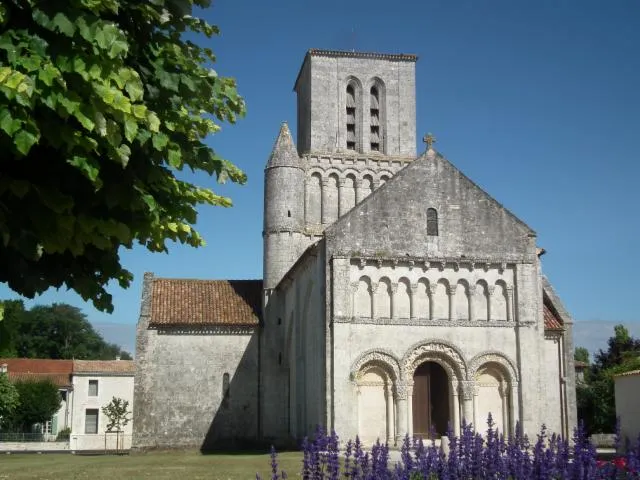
(351, 118)
(375, 119)
(432, 222)
(225, 390)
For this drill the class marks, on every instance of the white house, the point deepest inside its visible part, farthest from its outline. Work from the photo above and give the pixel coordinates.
(86, 386)
(95, 383)
(627, 392)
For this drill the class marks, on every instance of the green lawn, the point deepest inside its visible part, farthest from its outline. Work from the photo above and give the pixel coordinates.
(156, 465)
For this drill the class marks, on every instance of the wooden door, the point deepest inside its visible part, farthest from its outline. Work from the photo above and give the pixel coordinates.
(421, 401)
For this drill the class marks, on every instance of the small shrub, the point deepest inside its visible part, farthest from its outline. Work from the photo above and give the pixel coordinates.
(63, 435)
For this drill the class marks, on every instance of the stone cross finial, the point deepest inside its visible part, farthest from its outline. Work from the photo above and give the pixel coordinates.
(429, 139)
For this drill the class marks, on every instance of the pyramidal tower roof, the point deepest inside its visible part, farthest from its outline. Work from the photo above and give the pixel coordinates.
(284, 153)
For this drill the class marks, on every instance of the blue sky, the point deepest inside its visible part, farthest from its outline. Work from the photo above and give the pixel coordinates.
(537, 102)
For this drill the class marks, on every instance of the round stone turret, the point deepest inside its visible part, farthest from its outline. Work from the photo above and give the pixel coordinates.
(283, 208)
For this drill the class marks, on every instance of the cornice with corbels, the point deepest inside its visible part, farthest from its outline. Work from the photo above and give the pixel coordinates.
(432, 262)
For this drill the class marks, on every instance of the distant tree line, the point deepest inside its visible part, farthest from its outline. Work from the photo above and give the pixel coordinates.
(56, 331)
(595, 395)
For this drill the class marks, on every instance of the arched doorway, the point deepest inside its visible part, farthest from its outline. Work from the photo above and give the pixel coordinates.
(430, 400)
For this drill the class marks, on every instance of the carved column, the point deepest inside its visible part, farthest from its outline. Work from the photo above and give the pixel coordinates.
(456, 407)
(514, 411)
(433, 287)
(410, 410)
(472, 309)
(475, 406)
(401, 418)
(325, 202)
(490, 301)
(374, 289)
(359, 192)
(354, 293)
(452, 303)
(390, 429)
(467, 390)
(413, 291)
(504, 395)
(394, 308)
(510, 313)
(342, 209)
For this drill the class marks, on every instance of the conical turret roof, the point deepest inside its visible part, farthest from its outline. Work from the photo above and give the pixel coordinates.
(284, 153)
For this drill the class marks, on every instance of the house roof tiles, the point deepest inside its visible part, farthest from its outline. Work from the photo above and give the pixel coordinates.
(103, 366)
(551, 320)
(185, 302)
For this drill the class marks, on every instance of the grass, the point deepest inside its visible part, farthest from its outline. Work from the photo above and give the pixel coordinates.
(156, 465)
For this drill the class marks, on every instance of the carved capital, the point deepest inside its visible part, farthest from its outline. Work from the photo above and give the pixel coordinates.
(325, 182)
(472, 290)
(491, 289)
(413, 288)
(354, 287)
(342, 182)
(510, 291)
(467, 389)
(452, 289)
(433, 288)
(358, 183)
(394, 288)
(402, 391)
(374, 287)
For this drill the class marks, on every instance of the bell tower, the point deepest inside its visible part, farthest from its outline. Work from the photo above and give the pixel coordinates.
(356, 102)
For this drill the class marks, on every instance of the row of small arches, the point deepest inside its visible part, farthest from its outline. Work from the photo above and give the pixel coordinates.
(432, 300)
(327, 199)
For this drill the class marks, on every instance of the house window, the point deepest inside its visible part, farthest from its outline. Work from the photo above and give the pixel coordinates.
(351, 118)
(225, 390)
(432, 222)
(93, 388)
(375, 119)
(91, 421)
(48, 427)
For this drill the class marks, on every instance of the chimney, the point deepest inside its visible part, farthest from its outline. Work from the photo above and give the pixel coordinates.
(3, 368)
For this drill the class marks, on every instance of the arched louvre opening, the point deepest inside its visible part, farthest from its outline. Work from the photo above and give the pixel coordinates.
(374, 121)
(351, 118)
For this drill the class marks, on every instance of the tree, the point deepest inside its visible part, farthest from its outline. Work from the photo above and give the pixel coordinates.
(117, 411)
(581, 354)
(9, 398)
(12, 316)
(102, 104)
(57, 331)
(595, 397)
(39, 401)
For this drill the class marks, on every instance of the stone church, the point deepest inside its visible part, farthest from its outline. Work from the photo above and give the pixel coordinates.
(398, 297)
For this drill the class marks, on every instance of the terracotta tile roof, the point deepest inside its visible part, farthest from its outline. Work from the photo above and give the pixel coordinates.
(632, 373)
(181, 302)
(551, 320)
(104, 366)
(37, 365)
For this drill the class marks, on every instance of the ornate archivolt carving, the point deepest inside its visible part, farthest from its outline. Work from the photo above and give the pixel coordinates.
(494, 357)
(439, 351)
(381, 357)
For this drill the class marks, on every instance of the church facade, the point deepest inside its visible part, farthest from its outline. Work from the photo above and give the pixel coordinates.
(398, 297)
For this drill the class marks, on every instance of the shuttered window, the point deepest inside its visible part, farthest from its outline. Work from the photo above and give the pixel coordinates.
(91, 421)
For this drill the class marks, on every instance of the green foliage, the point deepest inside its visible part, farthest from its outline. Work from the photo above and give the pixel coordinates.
(102, 103)
(57, 331)
(117, 411)
(63, 435)
(595, 397)
(9, 398)
(581, 354)
(39, 401)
